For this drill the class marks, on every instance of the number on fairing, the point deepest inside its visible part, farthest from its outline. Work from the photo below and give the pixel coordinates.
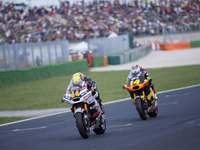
(135, 82)
(74, 94)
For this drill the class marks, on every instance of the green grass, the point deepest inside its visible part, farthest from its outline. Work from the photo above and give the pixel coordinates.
(11, 119)
(47, 93)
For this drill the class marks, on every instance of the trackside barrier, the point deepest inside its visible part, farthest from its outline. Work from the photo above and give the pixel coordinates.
(90, 60)
(34, 73)
(105, 61)
(98, 61)
(175, 46)
(114, 60)
(128, 56)
(181, 45)
(194, 44)
(154, 45)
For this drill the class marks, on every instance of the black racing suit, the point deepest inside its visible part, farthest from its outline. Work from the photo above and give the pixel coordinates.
(91, 83)
(148, 76)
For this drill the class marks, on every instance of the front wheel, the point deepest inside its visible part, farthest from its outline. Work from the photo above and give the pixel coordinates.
(82, 123)
(140, 109)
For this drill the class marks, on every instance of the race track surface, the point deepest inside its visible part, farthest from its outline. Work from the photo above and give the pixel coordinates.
(177, 126)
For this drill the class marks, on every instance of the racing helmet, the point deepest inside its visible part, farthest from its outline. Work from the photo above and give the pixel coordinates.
(135, 69)
(81, 76)
(77, 77)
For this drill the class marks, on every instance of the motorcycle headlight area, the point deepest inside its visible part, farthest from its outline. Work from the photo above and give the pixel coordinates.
(75, 99)
(136, 87)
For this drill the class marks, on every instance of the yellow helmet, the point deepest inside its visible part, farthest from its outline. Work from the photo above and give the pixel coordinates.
(77, 77)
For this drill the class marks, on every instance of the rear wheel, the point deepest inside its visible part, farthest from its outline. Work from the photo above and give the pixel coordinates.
(82, 123)
(140, 109)
(102, 126)
(154, 113)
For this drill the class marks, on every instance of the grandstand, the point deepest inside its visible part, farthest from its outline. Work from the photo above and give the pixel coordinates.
(142, 18)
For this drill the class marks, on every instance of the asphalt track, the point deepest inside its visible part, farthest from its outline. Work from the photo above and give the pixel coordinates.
(177, 126)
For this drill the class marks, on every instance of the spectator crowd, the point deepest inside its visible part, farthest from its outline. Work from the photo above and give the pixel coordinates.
(96, 19)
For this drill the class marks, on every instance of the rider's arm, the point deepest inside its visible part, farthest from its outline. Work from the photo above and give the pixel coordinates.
(89, 82)
(145, 72)
(147, 76)
(87, 79)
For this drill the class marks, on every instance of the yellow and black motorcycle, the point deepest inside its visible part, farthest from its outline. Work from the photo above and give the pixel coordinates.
(136, 84)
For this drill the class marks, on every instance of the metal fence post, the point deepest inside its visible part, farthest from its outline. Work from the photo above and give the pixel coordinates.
(32, 51)
(41, 53)
(4, 57)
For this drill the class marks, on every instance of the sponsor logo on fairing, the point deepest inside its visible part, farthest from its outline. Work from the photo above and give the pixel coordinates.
(87, 96)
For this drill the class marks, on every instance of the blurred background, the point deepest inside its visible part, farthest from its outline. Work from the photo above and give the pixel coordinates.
(39, 32)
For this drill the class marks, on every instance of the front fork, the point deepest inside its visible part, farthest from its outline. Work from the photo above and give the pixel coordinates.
(84, 112)
(142, 97)
(81, 109)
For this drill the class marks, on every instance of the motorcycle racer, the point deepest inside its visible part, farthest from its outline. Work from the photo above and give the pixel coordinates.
(78, 78)
(135, 69)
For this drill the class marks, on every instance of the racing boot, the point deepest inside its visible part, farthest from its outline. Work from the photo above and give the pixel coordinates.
(154, 93)
(152, 87)
(156, 97)
(101, 105)
(95, 110)
(151, 97)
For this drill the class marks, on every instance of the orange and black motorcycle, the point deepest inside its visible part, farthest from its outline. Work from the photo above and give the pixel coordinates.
(136, 84)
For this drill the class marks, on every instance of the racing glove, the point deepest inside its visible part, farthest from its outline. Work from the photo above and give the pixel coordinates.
(62, 101)
(146, 75)
(90, 84)
(150, 81)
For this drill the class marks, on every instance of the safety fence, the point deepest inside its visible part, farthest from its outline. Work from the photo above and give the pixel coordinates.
(118, 53)
(106, 46)
(121, 57)
(34, 73)
(24, 55)
(128, 56)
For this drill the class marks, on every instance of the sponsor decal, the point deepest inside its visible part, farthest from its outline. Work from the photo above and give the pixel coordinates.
(87, 96)
(83, 88)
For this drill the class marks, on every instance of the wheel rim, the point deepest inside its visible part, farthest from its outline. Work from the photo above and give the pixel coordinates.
(103, 126)
(86, 122)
